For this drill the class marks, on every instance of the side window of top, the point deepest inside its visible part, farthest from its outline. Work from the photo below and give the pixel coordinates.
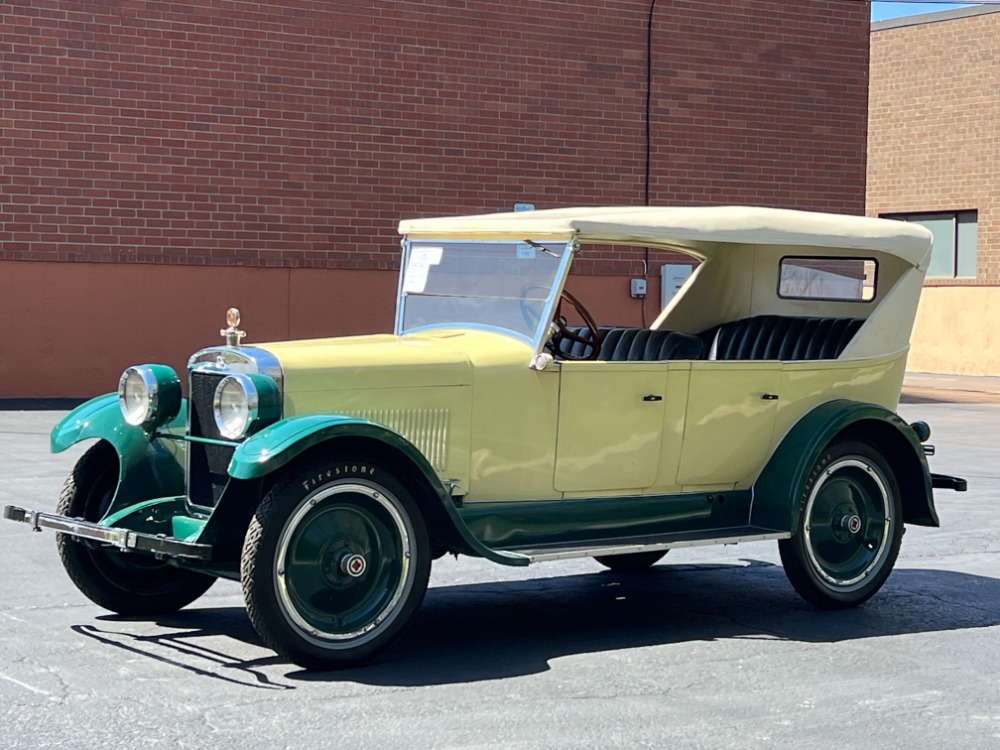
(835, 279)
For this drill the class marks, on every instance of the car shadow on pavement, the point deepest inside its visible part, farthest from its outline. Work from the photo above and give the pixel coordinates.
(498, 630)
(488, 631)
(189, 649)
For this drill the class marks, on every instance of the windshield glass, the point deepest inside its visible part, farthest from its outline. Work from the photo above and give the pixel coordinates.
(503, 285)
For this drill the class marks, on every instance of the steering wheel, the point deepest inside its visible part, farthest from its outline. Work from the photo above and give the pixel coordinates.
(589, 336)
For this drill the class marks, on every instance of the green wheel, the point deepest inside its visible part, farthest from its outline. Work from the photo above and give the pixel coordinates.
(850, 528)
(129, 583)
(335, 563)
(632, 563)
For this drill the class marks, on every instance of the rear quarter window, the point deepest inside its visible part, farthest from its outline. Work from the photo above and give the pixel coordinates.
(835, 279)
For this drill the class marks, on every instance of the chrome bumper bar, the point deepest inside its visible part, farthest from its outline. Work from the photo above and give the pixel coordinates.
(124, 539)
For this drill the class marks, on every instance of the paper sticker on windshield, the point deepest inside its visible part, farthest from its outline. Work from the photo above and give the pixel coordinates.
(525, 251)
(417, 270)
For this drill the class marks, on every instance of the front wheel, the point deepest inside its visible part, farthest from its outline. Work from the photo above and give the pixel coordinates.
(335, 563)
(850, 528)
(129, 583)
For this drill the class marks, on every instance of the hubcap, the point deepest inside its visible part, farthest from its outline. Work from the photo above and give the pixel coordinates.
(848, 523)
(851, 524)
(343, 564)
(353, 565)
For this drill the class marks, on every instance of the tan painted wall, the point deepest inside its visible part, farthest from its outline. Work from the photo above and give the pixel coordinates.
(957, 331)
(69, 329)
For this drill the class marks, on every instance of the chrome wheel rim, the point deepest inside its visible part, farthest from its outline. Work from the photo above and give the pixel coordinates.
(848, 523)
(343, 565)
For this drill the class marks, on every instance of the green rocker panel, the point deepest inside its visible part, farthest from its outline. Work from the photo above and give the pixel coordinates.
(779, 491)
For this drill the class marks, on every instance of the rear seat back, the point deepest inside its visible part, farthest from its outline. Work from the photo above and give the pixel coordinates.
(780, 337)
(763, 337)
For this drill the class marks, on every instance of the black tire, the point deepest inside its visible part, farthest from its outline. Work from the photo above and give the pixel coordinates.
(335, 563)
(850, 528)
(129, 583)
(632, 563)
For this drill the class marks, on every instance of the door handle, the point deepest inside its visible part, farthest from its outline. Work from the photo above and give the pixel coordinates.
(652, 397)
(769, 396)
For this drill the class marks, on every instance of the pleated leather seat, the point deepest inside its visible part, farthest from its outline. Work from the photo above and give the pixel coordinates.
(779, 337)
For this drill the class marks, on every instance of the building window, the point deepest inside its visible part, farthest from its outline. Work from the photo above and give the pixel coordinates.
(953, 253)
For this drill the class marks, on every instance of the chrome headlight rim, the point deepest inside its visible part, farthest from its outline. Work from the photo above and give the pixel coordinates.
(260, 404)
(163, 395)
(251, 400)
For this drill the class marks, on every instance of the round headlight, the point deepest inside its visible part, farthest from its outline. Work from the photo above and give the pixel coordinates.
(232, 406)
(149, 395)
(243, 402)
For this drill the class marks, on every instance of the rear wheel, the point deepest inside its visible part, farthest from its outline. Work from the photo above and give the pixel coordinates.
(850, 528)
(633, 563)
(129, 583)
(335, 563)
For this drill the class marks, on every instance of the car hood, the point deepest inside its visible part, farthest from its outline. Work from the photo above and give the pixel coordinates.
(438, 358)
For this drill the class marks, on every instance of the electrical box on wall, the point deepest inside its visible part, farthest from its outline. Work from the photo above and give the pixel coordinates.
(638, 287)
(672, 278)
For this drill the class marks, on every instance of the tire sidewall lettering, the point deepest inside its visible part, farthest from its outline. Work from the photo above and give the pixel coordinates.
(351, 470)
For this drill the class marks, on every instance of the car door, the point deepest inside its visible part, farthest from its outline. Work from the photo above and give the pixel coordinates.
(730, 421)
(610, 427)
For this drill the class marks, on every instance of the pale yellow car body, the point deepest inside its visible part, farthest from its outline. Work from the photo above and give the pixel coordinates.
(325, 475)
(494, 428)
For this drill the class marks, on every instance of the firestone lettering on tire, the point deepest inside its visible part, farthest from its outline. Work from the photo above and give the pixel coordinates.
(338, 471)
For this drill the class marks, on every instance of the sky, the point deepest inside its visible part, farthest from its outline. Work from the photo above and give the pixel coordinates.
(883, 10)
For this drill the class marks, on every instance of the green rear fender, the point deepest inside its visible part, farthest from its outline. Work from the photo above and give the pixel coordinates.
(275, 446)
(779, 491)
(147, 468)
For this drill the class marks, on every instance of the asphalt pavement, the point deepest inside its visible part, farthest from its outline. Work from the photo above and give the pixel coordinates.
(710, 649)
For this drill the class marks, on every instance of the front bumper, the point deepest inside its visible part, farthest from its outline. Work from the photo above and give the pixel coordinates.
(124, 539)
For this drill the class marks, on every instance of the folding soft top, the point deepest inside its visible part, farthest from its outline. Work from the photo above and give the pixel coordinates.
(701, 231)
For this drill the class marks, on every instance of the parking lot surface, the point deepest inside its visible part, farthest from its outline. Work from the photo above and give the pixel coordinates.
(710, 649)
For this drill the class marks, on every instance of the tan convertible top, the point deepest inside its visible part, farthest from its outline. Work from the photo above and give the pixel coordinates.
(700, 231)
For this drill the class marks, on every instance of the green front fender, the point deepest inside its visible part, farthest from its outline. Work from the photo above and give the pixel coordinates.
(276, 445)
(279, 443)
(779, 492)
(147, 468)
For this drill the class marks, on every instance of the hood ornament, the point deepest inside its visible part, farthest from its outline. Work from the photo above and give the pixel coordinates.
(232, 334)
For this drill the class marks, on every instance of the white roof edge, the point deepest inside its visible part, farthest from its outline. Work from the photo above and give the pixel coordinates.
(699, 229)
(918, 19)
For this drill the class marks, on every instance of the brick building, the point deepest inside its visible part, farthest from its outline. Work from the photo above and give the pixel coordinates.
(934, 157)
(163, 161)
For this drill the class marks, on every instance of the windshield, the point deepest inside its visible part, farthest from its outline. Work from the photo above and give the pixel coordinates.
(491, 284)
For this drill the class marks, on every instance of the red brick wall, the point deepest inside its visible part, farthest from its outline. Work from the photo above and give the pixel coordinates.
(761, 102)
(214, 133)
(299, 133)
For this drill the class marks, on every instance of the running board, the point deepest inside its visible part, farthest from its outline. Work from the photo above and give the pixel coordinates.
(658, 543)
(123, 539)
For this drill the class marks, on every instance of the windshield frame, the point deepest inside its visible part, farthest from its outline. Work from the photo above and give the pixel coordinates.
(542, 328)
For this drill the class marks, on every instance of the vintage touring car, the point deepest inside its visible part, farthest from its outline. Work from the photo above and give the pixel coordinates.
(325, 475)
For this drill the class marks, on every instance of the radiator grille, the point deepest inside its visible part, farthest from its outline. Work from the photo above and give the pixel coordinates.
(207, 464)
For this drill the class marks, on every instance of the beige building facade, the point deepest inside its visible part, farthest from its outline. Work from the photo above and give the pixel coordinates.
(934, 158)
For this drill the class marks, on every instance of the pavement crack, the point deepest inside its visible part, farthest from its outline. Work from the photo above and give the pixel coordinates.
(991, 614)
